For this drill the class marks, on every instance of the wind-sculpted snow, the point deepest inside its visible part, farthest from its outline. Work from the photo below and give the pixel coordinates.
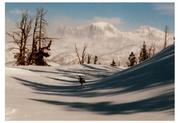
(142, 92)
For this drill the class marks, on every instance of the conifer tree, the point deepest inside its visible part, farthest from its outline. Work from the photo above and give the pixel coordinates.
(95, 59)
(144, 53)
(89, 59)
(113, 63)
(132, 59)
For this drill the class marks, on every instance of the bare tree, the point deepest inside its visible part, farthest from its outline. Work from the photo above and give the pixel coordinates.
(77, 53)
(34, 42)
(42, 26)
(82, 57)
(21, 36)
(165, 36)
(41, 42)
(151, 51)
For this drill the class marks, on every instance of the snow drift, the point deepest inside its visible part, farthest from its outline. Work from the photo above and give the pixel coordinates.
(142, 92)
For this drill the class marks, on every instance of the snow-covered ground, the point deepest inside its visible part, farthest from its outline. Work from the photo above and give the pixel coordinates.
(142, 92)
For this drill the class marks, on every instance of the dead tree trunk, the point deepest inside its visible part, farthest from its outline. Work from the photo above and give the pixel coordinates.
(165, 37)
(40, 28)
(34, 42)
(41, 40)
(83, 55)
(77, 53)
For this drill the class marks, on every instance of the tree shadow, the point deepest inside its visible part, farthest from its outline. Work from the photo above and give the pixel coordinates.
(153, 104)
(45, 87)
(138, 78)
(88, 72)
(63, 80)
(40, 71)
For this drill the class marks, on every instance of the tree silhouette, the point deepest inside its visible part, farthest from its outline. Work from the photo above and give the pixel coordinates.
(132, 59)
(113, 63)
(21, 37)
(82, 57)
(95, 59)
(144, 53)
(89, 59)
(41, 42)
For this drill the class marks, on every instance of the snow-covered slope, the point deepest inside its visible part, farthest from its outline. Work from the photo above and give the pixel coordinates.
(103, 39)
(142, 92)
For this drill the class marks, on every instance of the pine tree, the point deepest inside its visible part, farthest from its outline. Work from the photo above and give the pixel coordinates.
(89, 59)
(95, 59)
(39, 58)
(144, 53)
(132, 59)
(113, 63)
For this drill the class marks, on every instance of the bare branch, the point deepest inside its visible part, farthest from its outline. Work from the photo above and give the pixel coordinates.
(83, 54)
(16, 40)
(76, 50)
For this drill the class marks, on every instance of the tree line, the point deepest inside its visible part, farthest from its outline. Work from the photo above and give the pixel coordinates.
(33, 30)
(84, 57)
(146, 53)
(143, 55)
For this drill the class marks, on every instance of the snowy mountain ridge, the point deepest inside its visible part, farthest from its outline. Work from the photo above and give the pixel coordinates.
(105, 28)
(102, 38)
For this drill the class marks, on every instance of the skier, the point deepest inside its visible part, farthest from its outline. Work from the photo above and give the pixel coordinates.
(81, 81)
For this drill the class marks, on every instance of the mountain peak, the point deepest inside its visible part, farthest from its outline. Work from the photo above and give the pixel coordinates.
(147, 29)
(103, 26)
(100, 23)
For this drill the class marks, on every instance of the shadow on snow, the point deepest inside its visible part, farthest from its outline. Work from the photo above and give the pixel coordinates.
(154, 72)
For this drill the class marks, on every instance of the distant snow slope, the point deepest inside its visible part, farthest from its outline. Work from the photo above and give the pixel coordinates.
(103, 39)
(142, 92)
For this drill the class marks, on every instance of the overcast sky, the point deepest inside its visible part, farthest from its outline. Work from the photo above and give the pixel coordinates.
(125, 16)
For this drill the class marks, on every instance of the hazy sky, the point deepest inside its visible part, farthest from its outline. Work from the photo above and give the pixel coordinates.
(125, 16)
